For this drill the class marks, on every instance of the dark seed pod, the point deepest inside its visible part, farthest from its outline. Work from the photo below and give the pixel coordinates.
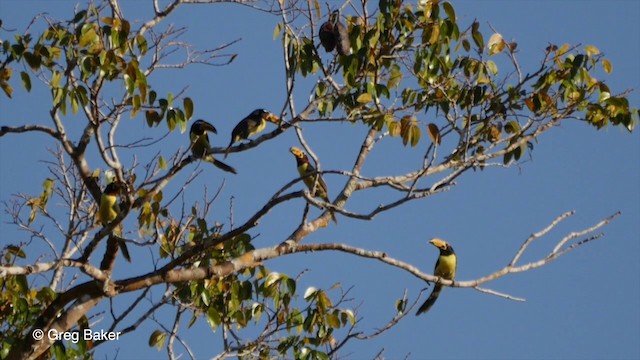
(327, 36)
(342, 37)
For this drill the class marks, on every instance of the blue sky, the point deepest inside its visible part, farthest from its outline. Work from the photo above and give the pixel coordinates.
(584, 305)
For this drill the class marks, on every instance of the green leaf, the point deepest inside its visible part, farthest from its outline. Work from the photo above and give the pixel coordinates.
(492, 67)
(213, 318)
(164, 104)
(55, 79)
(16, 251)
(89, 35)
(466, 45)
(364, 98)
(157, 339)
(59, 351)
(434, 133)
(143, 47)
(395, 76)
(152, 118)
(79, 16)
(162, 164)
(477, 35)
(23, 284)
(136, 104)
(333, 320)
(8, 90)
(448, 9)
(512, 127)
(26, 80)
(272, 279)
(152, 97)
(74, 104)
(188, 108)
(415, 135)
(34, 61)
(507, 158)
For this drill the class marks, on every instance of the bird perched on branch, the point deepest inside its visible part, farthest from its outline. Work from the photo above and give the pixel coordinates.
(327, 36)
(445, 268)
(109, 210)
(201, 147)
(334, 35)
(251, 125)
(311, 178)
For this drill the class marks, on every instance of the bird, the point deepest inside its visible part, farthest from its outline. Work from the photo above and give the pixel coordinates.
(309, 176)
(201, 147)
(334, 35)
(445, 269)
(251, 125)
(327, 36)
(109, 210)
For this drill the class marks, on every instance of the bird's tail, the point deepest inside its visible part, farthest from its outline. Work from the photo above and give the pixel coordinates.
(125, 251)
(333, 217)
(430, 300)
(114, 243)
(220, 165)
(226, 151)
(333, 214)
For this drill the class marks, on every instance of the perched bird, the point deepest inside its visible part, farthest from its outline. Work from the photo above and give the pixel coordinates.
(109, 210)
(334, 35)
(445, 268)
(313, 180)
(201, 147)
(251, 125)
(327, 36)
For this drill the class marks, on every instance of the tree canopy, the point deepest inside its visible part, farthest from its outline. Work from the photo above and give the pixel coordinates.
(452, 94)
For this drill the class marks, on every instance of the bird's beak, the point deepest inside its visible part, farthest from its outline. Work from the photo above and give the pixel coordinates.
(440, 244)
(272, 118)
(208, 127)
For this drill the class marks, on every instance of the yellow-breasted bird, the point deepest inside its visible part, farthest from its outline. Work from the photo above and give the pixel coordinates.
(445, 268)
(201, 147)
(109, 210)
(251, 125)
(311, 178)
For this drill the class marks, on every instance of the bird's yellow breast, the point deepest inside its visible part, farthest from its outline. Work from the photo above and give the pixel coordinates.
(108, 209)
(446, 267)
(199, 144)
(258, 128)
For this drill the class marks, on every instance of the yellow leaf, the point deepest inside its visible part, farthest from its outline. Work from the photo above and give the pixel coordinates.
(434, 133)
(276, 31)
(607, 66)
(496, 44)
(561, 52)
(494, 134)
(591, 50)
(563, 49)
(394, 128)
(364, 98)
(415, 135)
